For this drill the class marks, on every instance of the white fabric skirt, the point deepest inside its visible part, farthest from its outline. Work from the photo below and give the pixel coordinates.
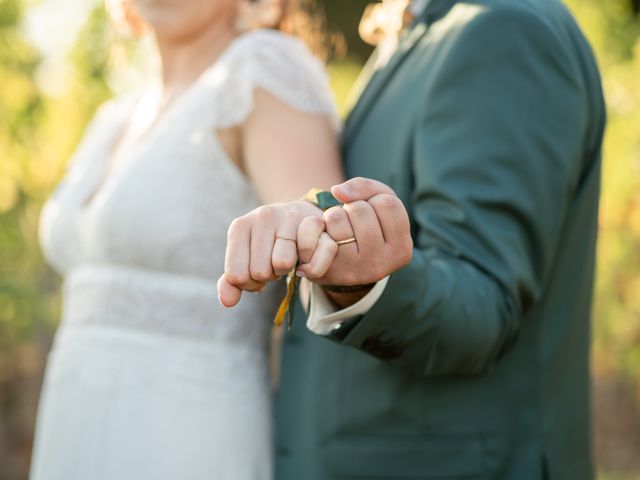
(121, 404)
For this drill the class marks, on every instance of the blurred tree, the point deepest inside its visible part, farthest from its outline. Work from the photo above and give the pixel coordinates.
(21, 113)
(35, 145)
(21, 110)
(613, 28)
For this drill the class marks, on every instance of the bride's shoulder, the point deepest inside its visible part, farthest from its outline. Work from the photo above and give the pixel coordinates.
(267, 38)
(275, 49)
(271, 61)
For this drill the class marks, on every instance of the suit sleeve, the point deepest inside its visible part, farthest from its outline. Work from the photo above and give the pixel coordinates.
(497, 152)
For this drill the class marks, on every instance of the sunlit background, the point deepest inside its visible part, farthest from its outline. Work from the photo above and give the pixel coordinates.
(59, 59)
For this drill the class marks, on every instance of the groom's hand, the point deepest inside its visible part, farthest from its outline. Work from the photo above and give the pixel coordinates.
(375, 217)
(261, 247)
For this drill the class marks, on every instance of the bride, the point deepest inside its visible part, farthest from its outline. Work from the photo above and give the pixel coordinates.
(149, 377)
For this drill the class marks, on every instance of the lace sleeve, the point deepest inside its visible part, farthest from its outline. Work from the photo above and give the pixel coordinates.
(278, 63)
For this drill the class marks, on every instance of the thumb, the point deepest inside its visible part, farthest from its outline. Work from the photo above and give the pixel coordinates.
(228, 294)
(360, 188)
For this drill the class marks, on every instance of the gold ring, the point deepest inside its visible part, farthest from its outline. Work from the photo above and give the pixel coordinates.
(285, 238)
(346, 242)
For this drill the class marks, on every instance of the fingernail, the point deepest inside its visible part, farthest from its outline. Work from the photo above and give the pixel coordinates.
(301, 274)
(343, 189)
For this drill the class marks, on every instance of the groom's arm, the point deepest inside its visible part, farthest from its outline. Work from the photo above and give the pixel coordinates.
(497, 157)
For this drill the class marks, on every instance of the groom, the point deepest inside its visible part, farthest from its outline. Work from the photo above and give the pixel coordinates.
(471, 361)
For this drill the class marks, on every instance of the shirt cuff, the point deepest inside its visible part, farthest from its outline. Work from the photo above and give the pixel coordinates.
(323, 315)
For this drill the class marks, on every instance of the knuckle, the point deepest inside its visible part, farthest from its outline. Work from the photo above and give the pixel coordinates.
(305, 251)
(358, 209)
(364, 183)
(334, 215)
(385, 201)
(237, 278)
(237, 224)
(315, 223)
(265, 213)
(357, 180)
(282, 264)
(261, 274)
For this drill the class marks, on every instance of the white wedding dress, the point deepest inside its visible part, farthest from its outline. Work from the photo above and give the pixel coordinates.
(150, 378)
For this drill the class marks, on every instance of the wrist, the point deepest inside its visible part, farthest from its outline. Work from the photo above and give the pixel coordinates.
(345, 296)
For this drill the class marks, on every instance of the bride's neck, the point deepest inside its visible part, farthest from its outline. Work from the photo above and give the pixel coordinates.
(183, 60)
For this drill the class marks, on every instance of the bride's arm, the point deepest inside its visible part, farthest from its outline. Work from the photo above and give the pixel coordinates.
(286, 152)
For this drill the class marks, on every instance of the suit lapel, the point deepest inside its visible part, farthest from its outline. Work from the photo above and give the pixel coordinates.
(371, 82)
(377, 80)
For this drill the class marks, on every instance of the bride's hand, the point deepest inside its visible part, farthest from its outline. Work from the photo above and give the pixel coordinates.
(261, 247)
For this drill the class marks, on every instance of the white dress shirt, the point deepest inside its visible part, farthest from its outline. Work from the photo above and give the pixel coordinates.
(323, 316)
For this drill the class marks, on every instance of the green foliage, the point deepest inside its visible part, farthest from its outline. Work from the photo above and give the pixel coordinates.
(613, 31)
(21, 113)
(35, 146)
(90, 58)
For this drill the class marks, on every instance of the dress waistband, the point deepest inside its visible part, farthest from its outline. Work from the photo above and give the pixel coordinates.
(160, 302)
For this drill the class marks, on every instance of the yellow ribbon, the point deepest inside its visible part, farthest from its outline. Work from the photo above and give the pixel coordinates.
(285, 305)
(323, 200)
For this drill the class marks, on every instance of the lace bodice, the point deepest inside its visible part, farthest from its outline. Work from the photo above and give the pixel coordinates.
(141, 245)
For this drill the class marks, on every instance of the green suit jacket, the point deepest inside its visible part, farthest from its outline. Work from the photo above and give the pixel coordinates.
(488, 123)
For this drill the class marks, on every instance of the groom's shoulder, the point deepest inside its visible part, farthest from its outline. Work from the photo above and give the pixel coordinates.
(545, 10)
(508, 13)
(480, 23)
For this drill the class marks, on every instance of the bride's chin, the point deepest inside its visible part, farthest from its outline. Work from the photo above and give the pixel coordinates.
(175, 24)
(176, 34)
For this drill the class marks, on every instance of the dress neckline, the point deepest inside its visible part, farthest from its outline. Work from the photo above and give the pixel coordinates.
(120, 145)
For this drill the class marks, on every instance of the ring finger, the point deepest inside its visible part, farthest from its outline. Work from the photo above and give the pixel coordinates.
(260, 268)
(339, 228)
(284, 256)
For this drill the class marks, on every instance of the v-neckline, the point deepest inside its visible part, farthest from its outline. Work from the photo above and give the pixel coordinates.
(109, 167)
